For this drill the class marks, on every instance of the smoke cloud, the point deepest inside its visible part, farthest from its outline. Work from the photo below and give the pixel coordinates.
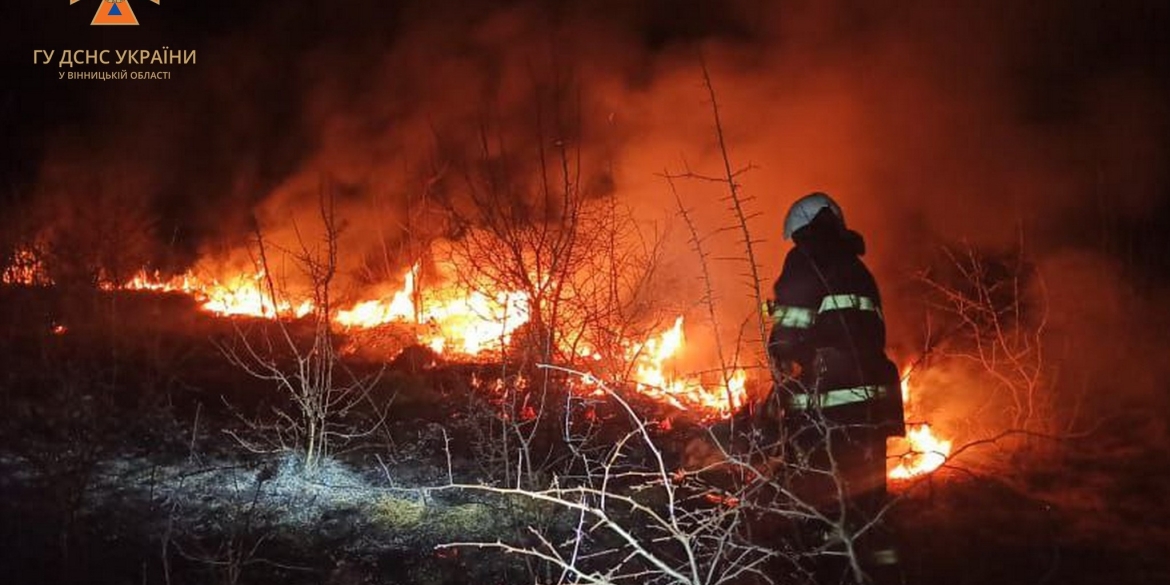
(930, 122)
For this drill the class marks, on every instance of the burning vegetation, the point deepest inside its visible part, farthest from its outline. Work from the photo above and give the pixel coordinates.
(548, 350)
(921, 451)
(459, 323)
(564, 360)
(469, 293)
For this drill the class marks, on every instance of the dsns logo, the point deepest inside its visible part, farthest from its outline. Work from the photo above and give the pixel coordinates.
(114, 12)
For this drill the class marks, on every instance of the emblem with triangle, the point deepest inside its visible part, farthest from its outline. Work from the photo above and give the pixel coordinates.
(114, 12)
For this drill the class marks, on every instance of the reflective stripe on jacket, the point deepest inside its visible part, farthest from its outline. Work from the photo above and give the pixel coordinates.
(803, 318)
(840, 397)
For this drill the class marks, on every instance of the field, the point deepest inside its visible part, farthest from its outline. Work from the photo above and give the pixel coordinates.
(125, 460)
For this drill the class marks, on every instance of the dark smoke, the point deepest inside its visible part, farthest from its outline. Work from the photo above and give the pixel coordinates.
(931, 122)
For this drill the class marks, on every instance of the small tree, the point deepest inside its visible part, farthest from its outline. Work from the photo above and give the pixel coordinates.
(303, 362)
(534, 216)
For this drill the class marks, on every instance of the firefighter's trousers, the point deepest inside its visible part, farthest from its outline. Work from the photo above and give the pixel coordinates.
(840, 471)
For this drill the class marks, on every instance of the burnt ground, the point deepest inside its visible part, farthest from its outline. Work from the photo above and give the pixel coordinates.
(116, 467)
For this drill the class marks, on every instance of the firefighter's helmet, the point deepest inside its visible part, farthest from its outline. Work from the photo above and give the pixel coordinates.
(805, 209)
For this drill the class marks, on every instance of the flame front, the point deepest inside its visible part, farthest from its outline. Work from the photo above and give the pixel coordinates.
(471, 323)
(374, 312)
(458, 321)
(241, 295)
(920, 452)
(451, 319)
(654, 378)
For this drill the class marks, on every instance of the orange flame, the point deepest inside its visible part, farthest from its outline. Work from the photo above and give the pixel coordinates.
(376, 312)
(473, 323)
(921, 452)
(654, 378)
(244, 295)
(238, 295)
(26, 269)
(465, 322)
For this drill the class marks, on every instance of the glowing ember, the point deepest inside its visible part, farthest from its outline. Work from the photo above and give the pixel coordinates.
(920, 452)
(26, 269)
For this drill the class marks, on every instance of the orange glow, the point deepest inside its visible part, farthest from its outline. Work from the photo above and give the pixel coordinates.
(920, 452)
(654, 377)
(459, 321)
(26, 269)
(238, 295)
(464, 320)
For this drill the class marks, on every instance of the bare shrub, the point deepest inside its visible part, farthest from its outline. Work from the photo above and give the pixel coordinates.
(630, 517)
(988, 313)
(300, 356)
(537, 216)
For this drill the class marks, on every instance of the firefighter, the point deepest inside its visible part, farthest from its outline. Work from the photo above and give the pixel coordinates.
(837, 395)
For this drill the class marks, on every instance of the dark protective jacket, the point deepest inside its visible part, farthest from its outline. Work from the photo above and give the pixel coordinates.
(828, 333)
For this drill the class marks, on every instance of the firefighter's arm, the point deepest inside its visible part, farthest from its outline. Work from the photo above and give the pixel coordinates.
(788, 339)
(784, 354)
(797, 295)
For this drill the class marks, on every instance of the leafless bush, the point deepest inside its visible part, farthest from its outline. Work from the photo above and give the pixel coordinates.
(590, 305)
(323, 392)
(632, 522)
(537, 217)
(992, 311)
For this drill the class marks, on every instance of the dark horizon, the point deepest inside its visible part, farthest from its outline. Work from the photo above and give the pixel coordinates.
(1077, 87)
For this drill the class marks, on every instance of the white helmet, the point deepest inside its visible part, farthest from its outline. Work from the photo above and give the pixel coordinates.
(805, 209)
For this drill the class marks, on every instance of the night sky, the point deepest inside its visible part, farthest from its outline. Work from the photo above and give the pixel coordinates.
(1055, 110)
